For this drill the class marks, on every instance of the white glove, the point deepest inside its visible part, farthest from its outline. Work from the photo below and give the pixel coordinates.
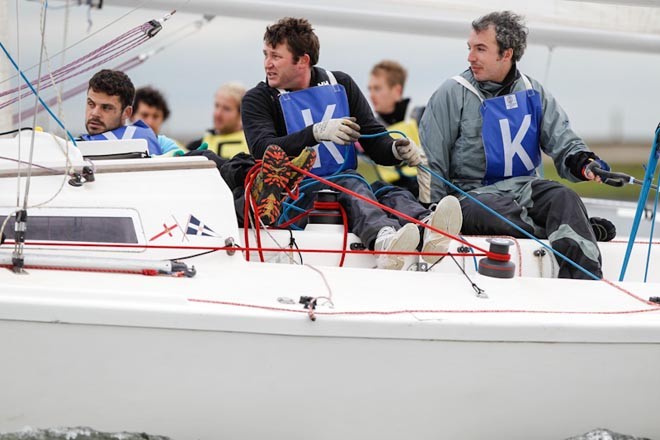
(339, 131)
(407, 150)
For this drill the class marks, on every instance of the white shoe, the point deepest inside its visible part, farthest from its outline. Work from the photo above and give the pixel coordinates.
(405, 239)
(446, 217)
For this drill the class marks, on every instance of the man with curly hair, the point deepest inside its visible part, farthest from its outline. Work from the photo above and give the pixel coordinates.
(484, 131)
(109, 104)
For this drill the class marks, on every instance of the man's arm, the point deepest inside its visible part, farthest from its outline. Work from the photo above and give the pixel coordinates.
(559, 141)
(168, 146)
(379, 149)
(263, 125)
(438, 130)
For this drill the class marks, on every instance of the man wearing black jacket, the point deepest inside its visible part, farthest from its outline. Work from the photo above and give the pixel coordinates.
(301, 106)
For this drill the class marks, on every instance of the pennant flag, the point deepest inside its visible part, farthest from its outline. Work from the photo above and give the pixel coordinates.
(196, 227)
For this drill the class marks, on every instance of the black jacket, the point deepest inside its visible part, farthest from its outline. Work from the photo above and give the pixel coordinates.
(263, 121)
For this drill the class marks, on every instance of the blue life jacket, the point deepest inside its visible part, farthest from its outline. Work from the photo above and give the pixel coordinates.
(137, 130)
(510, 132)
(303, 108)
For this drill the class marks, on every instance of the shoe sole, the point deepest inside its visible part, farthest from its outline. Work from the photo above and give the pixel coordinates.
(407, 241)
(448, 217)
(294, 177)
(274, 180)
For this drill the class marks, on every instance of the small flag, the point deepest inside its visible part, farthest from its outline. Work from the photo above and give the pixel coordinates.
(167, 230)
(196, 227)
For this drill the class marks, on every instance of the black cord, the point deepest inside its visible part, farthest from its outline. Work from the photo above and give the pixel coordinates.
(292, 242)
(194, 255)
(476, 288)
(4, 133)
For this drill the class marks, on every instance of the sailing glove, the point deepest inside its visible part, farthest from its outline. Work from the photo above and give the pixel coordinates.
(339, 131)
(587, 168)
(406, 150)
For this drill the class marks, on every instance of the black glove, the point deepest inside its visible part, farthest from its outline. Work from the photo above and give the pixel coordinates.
(604, 230)
(578, 161)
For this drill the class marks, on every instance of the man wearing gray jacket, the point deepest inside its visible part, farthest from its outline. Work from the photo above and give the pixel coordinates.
(484, 131)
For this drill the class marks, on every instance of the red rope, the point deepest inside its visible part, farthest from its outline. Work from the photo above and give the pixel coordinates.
(251, 203)
(403, 311)
(285, 225)
(491, 255)
(148, 272)
(234, 248)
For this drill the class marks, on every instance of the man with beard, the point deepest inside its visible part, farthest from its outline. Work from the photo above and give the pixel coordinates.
(110, 103)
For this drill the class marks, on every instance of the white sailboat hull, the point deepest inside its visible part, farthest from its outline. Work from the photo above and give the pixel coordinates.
(190, 384)
(231, 353)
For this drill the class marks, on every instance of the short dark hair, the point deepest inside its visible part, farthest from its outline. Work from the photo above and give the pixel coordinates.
(394, 72)
(153, 98)
(510, 31)
(298, 35)
(113, 83)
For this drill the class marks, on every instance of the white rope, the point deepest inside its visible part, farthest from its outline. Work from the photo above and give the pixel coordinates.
(67, 10)
(36, 102)
(18, 80)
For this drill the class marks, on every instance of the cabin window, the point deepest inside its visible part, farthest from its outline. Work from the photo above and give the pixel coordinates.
(81, 225)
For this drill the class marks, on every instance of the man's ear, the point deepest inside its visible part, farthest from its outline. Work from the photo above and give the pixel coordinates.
(128, 112)
(398, 89)
(508, 54)
(304, 61)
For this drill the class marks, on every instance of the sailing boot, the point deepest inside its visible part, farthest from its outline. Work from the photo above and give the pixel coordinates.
(305, 161)
(447, 217)
(604, 230)
(270, 183)
(405, 239)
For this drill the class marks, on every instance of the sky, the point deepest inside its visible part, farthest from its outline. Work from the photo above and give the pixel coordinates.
(609, 95)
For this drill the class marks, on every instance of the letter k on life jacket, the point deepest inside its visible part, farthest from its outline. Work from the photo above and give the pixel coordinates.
(305, 107)
(137, 130)
(510, 132)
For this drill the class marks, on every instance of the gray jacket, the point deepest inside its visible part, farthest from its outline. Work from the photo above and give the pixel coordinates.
(450, 132)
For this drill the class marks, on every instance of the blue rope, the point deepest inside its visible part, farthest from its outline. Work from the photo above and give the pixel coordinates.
(474, 258)
(384, 188)
(20, 72)
(383, 133)
(284, 216)
(518, 228)
(641, 203)
(648, 252)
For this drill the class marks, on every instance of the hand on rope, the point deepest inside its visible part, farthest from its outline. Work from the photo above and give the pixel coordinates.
(406, 150)
(600, 171)
(339, 131)
(593, 164)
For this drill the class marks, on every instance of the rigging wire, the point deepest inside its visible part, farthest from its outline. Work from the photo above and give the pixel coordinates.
(65, 35)
(83, 39)
(36, 102)
(126, 65)
(18, 82)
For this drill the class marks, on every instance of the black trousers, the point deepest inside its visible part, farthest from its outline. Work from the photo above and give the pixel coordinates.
(365, 219)
(554, 211)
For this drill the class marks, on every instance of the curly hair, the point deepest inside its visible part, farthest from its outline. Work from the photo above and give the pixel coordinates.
(114, 83)
(298, 35)
(510, 31)
(152, 98)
